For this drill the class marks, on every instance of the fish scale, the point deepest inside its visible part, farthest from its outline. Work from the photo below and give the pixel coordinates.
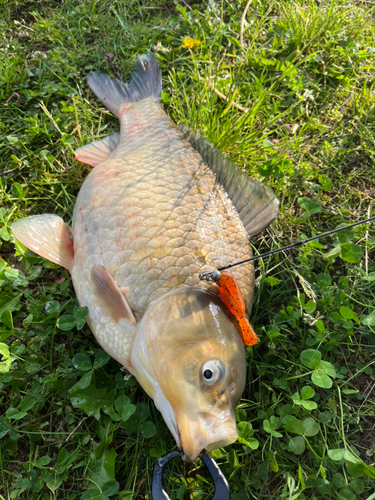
(157, 235)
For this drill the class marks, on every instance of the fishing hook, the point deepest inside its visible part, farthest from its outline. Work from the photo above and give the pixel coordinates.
(221, 491)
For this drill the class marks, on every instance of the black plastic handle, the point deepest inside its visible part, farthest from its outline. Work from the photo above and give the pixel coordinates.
(221, 491)
(157, 490)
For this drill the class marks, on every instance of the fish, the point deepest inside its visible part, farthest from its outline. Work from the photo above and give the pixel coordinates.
(161, 206)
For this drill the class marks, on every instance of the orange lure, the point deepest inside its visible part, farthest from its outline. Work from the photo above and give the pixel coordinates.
(231, 295)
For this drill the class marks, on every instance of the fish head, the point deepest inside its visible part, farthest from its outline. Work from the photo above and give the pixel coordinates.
(190, 358)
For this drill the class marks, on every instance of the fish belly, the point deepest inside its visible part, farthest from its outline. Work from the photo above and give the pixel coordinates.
(155, 218)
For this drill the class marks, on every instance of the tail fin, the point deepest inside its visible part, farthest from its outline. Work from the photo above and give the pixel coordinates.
(145, 82)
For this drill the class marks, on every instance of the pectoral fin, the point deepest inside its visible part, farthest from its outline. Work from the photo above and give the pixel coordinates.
(48, 236)
(110, 297)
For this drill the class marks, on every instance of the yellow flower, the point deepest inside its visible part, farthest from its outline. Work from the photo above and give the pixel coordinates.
(190, 43)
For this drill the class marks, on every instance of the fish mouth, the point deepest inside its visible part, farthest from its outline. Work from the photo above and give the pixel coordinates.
(208, 430)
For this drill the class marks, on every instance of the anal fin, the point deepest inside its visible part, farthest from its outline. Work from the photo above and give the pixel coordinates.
(110, 297)
(98, 151)
(48, 236)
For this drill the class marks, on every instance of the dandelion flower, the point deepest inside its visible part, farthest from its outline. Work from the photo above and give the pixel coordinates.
(190, 43)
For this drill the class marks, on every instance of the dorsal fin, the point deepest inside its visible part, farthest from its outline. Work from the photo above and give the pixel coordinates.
(256, 203)
(98, 151)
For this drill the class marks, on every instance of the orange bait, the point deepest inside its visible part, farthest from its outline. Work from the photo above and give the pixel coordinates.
(231, 295)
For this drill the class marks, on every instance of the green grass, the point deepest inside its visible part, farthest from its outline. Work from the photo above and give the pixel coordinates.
(305, 74)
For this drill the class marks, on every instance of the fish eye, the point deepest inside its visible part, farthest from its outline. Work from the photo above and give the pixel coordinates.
(213, 372)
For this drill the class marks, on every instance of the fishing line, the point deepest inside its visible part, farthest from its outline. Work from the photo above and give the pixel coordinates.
(214, 275)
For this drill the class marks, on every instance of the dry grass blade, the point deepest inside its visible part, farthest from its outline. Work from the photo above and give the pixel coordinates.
(243, 21)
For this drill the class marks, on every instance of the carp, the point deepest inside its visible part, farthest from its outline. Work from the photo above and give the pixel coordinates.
(161, 206)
